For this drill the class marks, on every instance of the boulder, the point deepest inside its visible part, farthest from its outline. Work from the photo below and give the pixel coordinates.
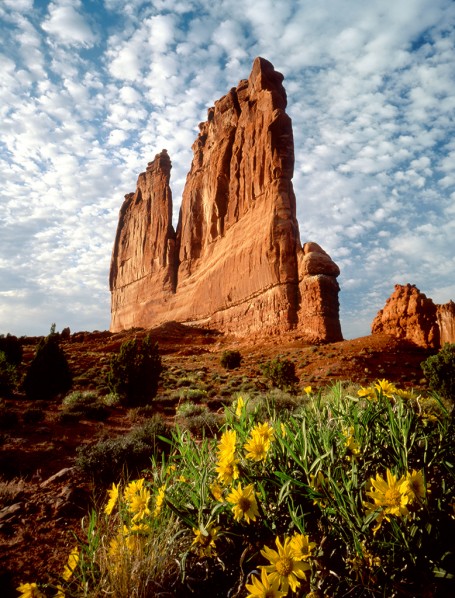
(411, 315)
(235, 262)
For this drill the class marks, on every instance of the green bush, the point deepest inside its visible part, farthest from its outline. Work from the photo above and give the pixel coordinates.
(12, 348)
(49, 374)
(129, 454)
(8, 375)
(230, 360)
(281, 374)
(439, 370)
(78, 405)
(135, 371)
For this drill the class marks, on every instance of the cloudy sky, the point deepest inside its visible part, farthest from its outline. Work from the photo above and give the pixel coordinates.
(91, 90)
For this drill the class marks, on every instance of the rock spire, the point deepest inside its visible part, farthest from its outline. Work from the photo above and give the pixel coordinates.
(235, 262)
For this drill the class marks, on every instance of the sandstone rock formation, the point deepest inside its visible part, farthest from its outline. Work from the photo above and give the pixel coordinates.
(235, 262)
(410, 315)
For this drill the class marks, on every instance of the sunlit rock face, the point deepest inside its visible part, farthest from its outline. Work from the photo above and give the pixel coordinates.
(235, 262)
(411, 315)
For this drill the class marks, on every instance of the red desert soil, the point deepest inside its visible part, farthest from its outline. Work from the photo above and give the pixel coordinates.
(38, 524)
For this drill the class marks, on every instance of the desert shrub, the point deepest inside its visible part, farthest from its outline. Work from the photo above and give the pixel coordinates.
(107, 460)
(354, 491)
(12, 348)
(197, 419)
(8, 375)
(439, 370)
(10, 491)
(78, 405)
(49, 374)
(281, 373)
(230, 360)
(34, 415)
(8, 417)
(135, 371)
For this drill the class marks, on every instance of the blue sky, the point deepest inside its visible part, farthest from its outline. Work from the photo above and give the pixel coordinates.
(91, 90)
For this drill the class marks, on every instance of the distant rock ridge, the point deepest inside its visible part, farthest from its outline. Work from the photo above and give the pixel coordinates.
(235, 262)
(411, 315)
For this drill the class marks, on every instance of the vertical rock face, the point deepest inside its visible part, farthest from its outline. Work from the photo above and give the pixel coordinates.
(446, 321)
(236, 263)
(410, 315)
(143, 265)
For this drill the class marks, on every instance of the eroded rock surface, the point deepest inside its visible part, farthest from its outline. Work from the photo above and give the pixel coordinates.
(235, 262)
(409, 314)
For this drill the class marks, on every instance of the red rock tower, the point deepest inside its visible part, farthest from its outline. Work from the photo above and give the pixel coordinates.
(235, 262)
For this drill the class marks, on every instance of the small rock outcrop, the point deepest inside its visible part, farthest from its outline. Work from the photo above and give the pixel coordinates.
(411, 315)
(235, 261)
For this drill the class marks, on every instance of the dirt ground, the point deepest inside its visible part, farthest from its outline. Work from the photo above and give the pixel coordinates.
(44, 497)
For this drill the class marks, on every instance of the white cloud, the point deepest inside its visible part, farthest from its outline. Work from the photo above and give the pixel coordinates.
(66, 25)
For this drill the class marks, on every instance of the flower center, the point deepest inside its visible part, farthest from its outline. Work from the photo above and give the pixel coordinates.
(392, 497)
(244, 504)
(284, 566)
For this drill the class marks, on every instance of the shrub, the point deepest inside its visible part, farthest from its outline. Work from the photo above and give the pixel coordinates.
(439, 370)
(109, 459)
(8, 374)
(8, 418)
(281, 374)
(78, 405)
(12, 348)
(230, 360)
(135, 372)
(34, 415)
(49, 374)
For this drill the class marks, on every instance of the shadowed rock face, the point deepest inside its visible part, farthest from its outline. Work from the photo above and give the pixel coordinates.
(235, 262)
(411, 315)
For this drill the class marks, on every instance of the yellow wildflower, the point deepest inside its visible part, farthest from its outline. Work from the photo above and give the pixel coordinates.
(29, 590)
(132, 489)
(257, 448)
(227, 471)
(217, 491)
(263, 588)
(159, 501)
(414, 486)
(239, 406)
(113, 497)
(284, 567)
(204, 540)
(351, 443)
(226, 445)
(138, 504)
(385, 387)
(244, 501)
(301, 547)
(388, 497)
(367, 393)
(264, 430)
(308, 390)
(71, 565)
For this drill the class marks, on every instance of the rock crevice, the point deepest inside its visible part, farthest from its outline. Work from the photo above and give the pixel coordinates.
(235, 261)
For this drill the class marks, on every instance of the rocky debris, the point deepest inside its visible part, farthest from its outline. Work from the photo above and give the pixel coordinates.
(411, 315)
(235, 262)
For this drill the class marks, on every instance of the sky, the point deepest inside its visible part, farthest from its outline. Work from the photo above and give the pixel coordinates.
(92, 90)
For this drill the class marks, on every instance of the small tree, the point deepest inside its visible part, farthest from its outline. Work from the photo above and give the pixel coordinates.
(231, 360)
(281, 373)
(12, 348)
(439, 370)
(8, 375)
(49, 373)
(135, 371)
